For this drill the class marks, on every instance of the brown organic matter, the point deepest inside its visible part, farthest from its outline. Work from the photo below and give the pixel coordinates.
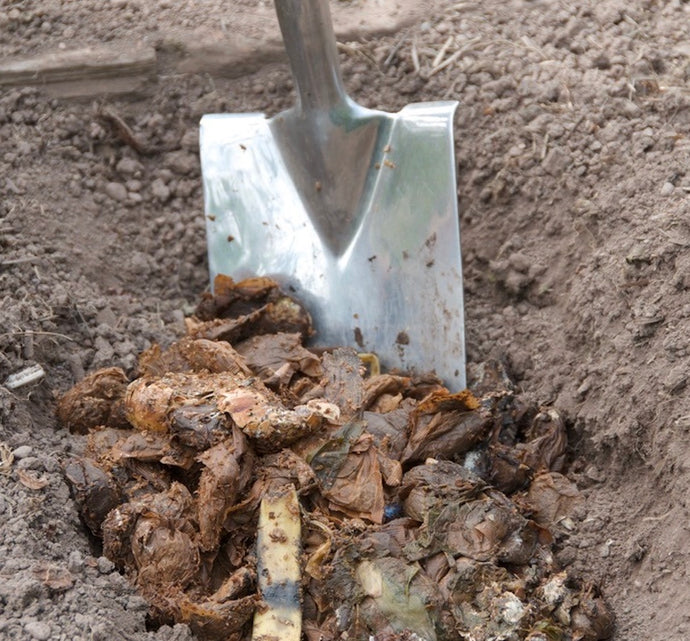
(95, 400)
(393, 504)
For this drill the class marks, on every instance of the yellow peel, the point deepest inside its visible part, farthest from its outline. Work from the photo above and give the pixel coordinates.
(372, 362)
(278, 550)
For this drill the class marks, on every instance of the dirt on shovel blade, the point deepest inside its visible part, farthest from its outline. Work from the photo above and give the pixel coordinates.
(425, 514)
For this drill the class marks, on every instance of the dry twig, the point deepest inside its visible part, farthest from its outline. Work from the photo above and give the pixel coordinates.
(446, 63)
(121, 129)
(395, 48)
(442, 52)
(415, 56)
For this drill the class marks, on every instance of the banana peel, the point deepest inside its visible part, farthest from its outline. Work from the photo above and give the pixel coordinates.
(279, 616)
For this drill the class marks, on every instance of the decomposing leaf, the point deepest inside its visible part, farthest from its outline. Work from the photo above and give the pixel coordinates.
(268, 354)
(264, 420)
(96, 400)
(148, 402)
(342, 382)
(384, 385)
(545, 442)
(32, 480)
(591, 618)
(193, 355)
(317, 549)
(94, 491)
(152, 446)
(482, 529)
(461, 583)
(211, 620)
(357, 488)
(428, 488)
(198, 426)
(100, 442)
(241, 582)
(489, 378)
(390, 430)
(220, 482)
(505, 470)
(154, 534)
(151, 401)
(286, 468)
(391, 469)
(248, 308)
(445, 425)
(164, 553)
(398, 598)
(232, 299)
(553, 497)
(349, 473)
(53, 576)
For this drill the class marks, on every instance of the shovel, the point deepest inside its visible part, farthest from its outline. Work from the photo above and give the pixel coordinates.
(352, 210)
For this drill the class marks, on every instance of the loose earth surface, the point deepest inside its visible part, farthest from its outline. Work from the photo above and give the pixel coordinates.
(572, 153)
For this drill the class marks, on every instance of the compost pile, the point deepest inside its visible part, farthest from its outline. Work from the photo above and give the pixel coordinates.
(425, 514)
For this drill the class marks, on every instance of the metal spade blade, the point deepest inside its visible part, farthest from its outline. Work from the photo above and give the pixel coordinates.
(353, 210)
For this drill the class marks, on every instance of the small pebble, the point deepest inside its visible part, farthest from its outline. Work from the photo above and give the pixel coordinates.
(23, 147)
(567, 555)
(675, 380)
(556, 161)
(630, 109)
(30, 463)
(104, 347)
(584, 388)
(190, 140)
(160, 190)
(38, 630)
(117, 191)
(105, 565)
(181, 162)
(593, 473)
(667, 189)
(129, 167)
(605, 549)
(50, 464)
(177, 316)
(75, 562)
(22, 451)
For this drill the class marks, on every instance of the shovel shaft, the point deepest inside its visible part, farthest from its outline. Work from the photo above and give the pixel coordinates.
(310, 43)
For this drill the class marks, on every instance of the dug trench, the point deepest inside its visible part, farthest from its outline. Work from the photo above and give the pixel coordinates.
(425, 514)
(571, 142)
